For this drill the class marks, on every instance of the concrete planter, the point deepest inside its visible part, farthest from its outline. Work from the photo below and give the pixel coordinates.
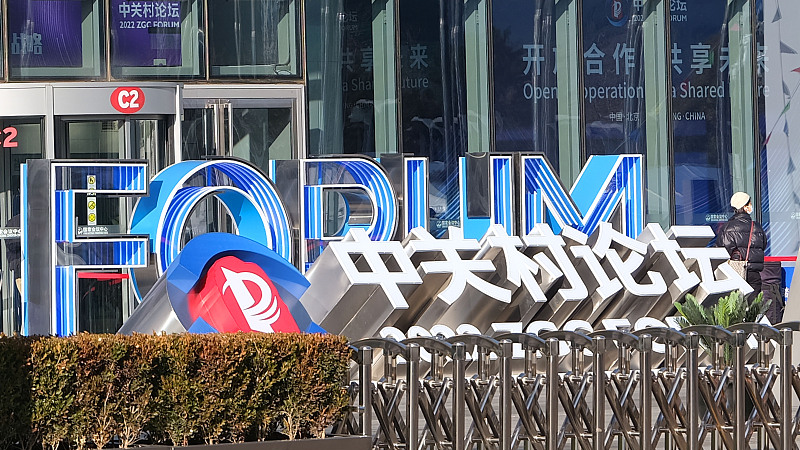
(332, 443)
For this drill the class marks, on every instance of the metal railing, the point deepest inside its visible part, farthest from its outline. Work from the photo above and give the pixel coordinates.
(701, 387)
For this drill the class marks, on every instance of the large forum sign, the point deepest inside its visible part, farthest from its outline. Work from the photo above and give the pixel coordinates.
(527, 253)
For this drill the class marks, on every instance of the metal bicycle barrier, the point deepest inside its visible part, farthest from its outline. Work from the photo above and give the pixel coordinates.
(703, 387)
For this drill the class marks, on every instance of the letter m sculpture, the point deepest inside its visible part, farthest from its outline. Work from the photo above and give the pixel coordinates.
(609, 187)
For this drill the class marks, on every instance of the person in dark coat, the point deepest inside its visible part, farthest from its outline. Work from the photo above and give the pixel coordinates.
(741, 232)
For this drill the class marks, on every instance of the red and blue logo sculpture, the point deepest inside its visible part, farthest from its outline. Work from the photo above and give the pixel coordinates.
(223, 283)
(239, 296)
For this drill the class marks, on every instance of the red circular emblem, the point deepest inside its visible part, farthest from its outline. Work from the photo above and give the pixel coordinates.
(239, 296)
(127, 100)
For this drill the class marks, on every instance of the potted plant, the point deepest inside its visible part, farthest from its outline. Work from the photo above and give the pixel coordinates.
(729, 310)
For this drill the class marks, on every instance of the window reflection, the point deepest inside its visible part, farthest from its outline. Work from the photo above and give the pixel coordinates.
(100, 302)
(701, 114)
(156, 38)
(613, 73)
(341, 60)
(55, 39)
(251, 38)
(779, 124)
(525, 77)
(433, 94)
(2, 47)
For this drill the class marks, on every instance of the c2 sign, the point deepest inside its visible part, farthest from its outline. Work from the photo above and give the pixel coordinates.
(127, 100)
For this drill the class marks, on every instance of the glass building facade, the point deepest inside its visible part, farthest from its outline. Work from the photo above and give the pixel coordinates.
(702, 88)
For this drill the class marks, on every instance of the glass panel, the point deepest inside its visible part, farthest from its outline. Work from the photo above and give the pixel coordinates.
(525, 77)
(657, 121)
(351, 71)
(101, 139)
(341, 61)
(100, 303)
(200, 135)
(2, 47)
(779, 120)
(157, 39)
(150, 143)
(262, 134)
(55, 39)
(701, 112)
(205, 218)
(433, 93)
(613, 77)
(476, 50)
(353, 204)
(254, 38)
(20, 139)
(256, 134)
(625, 90)
(197, 133)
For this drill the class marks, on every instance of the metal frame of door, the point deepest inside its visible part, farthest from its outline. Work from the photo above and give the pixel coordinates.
(223, 99)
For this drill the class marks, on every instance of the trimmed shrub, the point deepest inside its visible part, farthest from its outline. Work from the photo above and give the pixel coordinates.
(16, 403)
(137, 383)
(183, 389)
(54, 378)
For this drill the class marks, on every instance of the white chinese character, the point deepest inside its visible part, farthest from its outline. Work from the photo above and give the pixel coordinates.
(723, 58)
(23, 43)
(534, 56)
(148, 11)
(419, 53)
(676, 58)
(174, 9)
(762, 58)
(463, 271)
(714, 282)
(124, 9)
(366, 58)
(700, 58)
(16, 44)
(161, 10)
(594, 60)
(677, 5)
(638, 4)
(348, 59)
(665, 256)
(136, 9)
(519, 268)
(611, 245)
(36, 42)
(542, 239)
(603, 289)
(626, 54)
(358, 243)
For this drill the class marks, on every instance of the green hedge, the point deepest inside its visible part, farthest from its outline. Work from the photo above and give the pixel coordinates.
(88, 389)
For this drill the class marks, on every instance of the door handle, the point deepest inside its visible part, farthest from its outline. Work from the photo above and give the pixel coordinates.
(229, 108)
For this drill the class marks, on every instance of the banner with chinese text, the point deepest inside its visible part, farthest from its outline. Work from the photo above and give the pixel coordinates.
(45, 33)
(147, 32)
